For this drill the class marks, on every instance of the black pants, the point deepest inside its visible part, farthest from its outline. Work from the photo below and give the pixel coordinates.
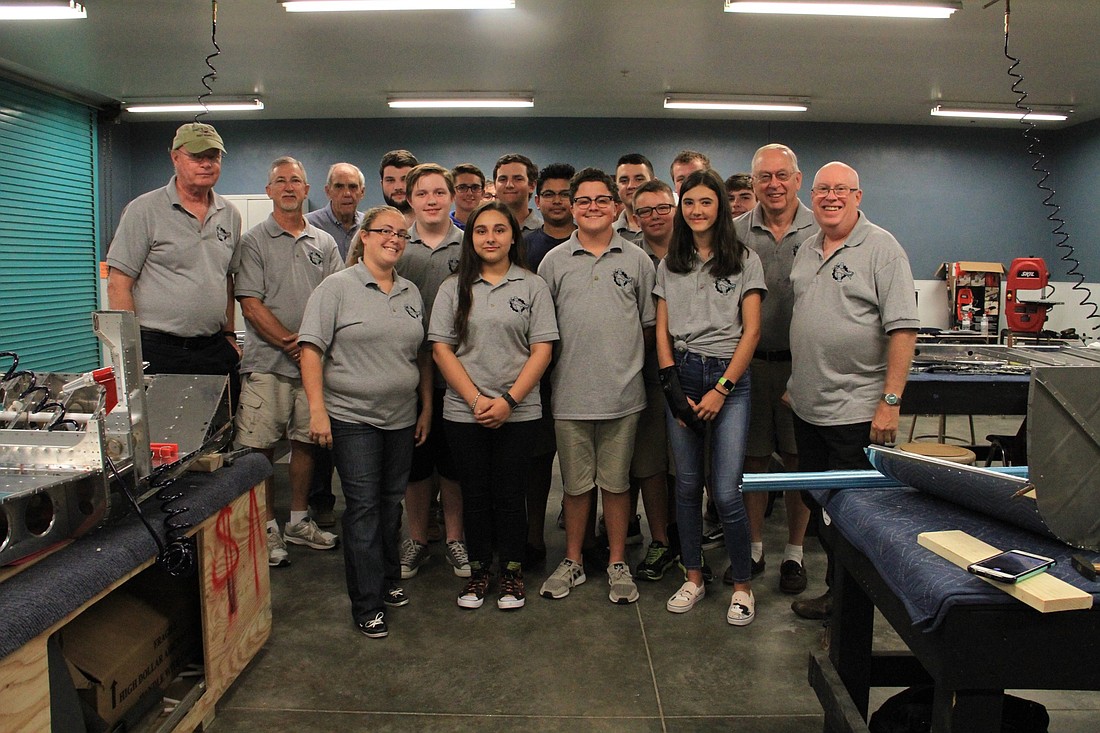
(168, 354)
(830, 448)
(493, 467)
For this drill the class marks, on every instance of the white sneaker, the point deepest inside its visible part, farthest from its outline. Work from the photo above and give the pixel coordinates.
(567, 577)
(306, 532)
(277, 556)
(685, 599)
(742, 609)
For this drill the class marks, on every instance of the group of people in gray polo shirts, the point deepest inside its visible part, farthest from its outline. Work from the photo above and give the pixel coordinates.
(413, 337)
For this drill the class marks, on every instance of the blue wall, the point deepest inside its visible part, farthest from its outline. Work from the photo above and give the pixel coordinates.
(947, 193)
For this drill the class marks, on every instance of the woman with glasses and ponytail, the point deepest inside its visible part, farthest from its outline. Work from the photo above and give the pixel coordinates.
(362, 367)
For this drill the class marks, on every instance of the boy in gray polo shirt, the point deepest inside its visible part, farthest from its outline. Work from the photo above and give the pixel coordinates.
(602, 287)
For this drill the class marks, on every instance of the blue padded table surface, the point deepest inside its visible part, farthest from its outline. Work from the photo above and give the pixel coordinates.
(40, 596)
(883, 525)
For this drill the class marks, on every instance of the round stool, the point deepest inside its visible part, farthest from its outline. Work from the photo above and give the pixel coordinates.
(953, 453)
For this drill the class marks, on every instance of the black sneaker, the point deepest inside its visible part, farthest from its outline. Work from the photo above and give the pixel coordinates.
(714, 538)
(596, 559)
(473, 595)
(792, 577)
(708, 572)
(658, 559)
(511, 590)
(395, 596)
(757, 568)
(375, 627)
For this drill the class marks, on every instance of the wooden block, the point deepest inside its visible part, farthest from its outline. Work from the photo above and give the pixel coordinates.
(236, 591)
(1043, 592)
(207, 464)
(25, 688)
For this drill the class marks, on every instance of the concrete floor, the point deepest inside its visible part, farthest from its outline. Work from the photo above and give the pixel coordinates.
(580, 663)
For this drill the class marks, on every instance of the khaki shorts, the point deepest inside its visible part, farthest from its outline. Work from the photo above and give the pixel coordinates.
(771, 423)
(651, 441)
(271, 406)
(596, 453)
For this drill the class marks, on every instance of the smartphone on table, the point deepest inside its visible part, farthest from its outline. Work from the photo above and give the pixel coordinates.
(1011, 566)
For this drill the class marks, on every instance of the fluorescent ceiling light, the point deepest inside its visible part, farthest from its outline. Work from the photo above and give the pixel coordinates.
(41, 10)
(167, 106)
(863, 8)
(789, 104)
(997, 114)
(460, 102)
(336, 6)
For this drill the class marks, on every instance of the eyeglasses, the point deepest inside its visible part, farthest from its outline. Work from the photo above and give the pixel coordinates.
(601, 201)
(841, 191)
(391, 234)
(551, 195)
(469, 188)
(766, 178)
(645, 211)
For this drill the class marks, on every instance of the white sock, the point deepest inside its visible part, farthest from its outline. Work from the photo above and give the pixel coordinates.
(793, 552)
(273, 525)
(757, 549)
(296, 517)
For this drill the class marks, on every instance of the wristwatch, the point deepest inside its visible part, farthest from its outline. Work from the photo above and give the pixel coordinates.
(891, 399)
(507, 397)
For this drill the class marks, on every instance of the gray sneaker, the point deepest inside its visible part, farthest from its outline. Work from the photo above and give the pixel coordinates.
(458, 558)
(622, 585)
(568, 576)
(277, 556)
(306, 532)
(413, 555)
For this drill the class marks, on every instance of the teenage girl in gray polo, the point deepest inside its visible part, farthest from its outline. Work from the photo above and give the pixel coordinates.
(361, 337)
(709, 290)
(492, 327)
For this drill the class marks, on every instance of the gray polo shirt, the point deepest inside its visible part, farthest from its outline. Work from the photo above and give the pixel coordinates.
(428, 267)
(533, 222)
(179, 264)
(844, 308)
(327, 222)
(370, 340)
(704, 312)
(622, 228)
(505, 319)
(282, 271)
(602, 304)
(776, 257)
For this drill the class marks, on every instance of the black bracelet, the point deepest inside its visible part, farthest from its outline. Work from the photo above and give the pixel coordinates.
(507, 397)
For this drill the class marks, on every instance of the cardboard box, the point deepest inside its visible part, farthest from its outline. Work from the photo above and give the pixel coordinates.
(974, 284)
(121, 647)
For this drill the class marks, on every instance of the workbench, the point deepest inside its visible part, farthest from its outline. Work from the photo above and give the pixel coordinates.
(965, 637)
(226, 509)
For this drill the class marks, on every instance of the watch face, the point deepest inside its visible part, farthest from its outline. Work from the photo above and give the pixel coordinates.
(891, 399)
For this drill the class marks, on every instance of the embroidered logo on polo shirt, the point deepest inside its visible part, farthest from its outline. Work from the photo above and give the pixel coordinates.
(315, 257)
(841, 272)
(724, 286)
(622, 279)
(413, 311)
(519, 305)
(452, 265)
(222, 232)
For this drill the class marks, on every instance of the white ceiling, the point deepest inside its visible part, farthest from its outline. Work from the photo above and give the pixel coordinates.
(580, 58)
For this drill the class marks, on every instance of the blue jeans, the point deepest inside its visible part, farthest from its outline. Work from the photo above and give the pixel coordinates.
(728, 435)
(374, 470)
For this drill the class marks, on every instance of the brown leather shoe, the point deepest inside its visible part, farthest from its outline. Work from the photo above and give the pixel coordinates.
(814, 609)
